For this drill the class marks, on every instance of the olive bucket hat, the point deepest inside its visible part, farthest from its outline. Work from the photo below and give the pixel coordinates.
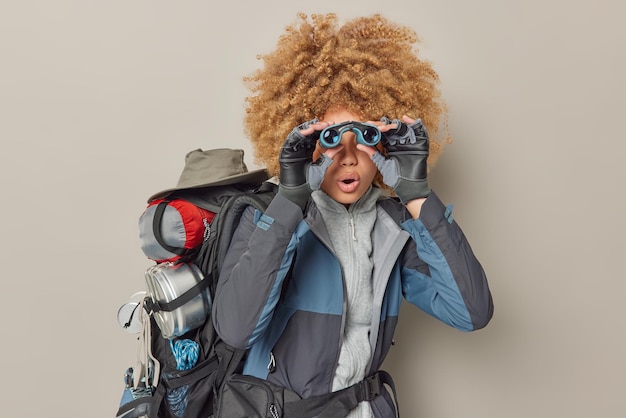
(215, 167)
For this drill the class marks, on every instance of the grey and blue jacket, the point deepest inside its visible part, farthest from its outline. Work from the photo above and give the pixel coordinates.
(281, 290)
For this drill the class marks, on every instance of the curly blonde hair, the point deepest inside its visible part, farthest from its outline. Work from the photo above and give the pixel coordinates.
(367, 66)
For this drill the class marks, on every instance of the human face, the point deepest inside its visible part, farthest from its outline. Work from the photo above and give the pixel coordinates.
(352, 170)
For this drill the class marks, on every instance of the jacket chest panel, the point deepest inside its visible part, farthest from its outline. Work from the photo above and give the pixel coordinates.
(316, 283)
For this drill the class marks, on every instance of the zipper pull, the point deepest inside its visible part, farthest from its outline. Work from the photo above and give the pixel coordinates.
(271, 366)
(274, 411)
(352, 227)
(207, 229)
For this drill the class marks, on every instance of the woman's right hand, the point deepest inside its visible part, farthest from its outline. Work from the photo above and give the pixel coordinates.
(295, 159)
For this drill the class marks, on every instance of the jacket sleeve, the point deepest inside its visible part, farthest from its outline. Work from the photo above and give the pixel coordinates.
(250, 282)
(441, 274)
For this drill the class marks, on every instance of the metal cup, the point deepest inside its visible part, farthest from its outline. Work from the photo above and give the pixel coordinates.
(128, 315)
(167, 281)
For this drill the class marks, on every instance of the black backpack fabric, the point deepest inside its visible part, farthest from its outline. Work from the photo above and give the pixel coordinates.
(189, 392)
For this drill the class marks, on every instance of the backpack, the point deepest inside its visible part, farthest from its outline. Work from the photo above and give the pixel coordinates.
(181, 362)
(184, 370)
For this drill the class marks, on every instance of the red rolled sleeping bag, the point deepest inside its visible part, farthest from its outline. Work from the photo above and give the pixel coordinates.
(172, 229)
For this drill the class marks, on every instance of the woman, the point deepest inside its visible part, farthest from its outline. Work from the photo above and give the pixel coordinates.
(312, 287)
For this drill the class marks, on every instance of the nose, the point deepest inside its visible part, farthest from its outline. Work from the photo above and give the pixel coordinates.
(347, 156)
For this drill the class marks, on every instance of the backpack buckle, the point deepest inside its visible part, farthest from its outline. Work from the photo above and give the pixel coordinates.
(369, 388)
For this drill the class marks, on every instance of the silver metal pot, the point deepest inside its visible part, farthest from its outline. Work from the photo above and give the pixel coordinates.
(166, 282)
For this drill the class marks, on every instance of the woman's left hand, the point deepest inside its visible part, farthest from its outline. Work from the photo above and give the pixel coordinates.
(404, 167)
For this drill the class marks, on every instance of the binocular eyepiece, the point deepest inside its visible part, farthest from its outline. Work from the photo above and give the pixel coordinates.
(366, 134)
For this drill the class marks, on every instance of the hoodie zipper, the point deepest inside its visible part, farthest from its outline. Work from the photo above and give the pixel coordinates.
(352, 227)
(344, 309)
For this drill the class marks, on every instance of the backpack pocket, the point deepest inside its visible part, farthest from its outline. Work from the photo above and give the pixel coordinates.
(251, 397)
(186, 382)
(189, 393)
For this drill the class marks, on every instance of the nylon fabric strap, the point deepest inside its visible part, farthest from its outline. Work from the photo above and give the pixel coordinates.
(174, 304)
(331, 405)
(234, 207)
(144, 355)
(156, 229)
(229, 359)
(198, 372)
(383, 378)
(340, 403)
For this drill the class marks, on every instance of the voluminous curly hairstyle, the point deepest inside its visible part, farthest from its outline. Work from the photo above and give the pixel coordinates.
(367, 66)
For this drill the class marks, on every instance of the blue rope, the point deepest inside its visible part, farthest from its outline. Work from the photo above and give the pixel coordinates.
(186, 353)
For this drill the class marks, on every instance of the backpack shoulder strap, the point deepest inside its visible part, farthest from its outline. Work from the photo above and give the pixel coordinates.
(231, 212)
(213, 250)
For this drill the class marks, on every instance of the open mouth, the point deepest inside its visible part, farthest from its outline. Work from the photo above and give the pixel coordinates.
(348, 183)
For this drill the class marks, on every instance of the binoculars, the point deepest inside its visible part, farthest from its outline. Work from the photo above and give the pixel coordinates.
(366, 134)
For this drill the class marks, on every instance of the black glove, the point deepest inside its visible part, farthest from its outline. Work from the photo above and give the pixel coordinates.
(404, 168)
(295, 158)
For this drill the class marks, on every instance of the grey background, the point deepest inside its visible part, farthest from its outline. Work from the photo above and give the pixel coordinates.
(100, 101)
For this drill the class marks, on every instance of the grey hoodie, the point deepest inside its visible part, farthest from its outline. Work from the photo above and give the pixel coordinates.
(350, 231)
